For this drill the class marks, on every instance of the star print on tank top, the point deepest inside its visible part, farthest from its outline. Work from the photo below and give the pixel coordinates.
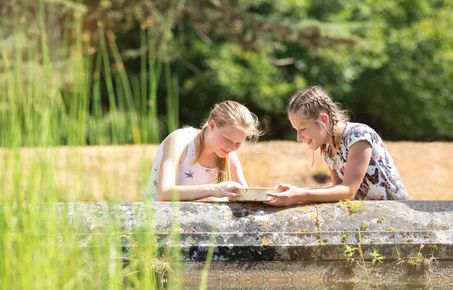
(189, 172)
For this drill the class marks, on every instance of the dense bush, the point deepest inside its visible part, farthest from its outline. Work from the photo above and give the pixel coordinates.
(387, 62)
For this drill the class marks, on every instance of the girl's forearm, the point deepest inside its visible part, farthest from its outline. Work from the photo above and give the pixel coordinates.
(188, 192)
(333, 193)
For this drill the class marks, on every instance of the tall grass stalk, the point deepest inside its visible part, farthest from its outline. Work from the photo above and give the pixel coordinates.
(207, 266)
(52, 93)
(155, 67)
(175, 281)
(108, 78)
(172, 99)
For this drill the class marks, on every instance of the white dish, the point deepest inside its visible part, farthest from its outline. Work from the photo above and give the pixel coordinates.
(254, 194)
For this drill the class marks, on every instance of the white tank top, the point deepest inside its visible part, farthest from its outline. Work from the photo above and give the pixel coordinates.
(189, 173)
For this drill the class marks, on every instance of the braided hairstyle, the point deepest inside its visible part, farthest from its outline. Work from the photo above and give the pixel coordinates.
(314, 100)
(229, 113)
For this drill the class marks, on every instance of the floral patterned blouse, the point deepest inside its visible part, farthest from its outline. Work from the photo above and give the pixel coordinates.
(381, 180)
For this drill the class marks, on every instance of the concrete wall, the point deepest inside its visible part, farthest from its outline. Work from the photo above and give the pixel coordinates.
(390, 239)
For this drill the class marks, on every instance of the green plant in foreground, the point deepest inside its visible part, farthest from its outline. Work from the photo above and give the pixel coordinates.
(416, 261)
(419, 260)
(349, 253)
(377, 257)
(353, 206)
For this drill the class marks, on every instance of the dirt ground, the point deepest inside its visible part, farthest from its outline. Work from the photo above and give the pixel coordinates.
(120, 173)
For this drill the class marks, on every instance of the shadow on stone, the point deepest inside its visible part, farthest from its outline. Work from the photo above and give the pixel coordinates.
(321, 177)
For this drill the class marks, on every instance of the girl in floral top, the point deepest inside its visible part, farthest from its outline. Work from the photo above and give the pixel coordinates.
(360, 166)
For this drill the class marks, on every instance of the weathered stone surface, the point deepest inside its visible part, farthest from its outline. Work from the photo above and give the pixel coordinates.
(391, 244)
(255, 232)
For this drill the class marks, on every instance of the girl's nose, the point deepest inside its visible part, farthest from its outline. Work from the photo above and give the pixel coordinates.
(300, 138)
(234, 146)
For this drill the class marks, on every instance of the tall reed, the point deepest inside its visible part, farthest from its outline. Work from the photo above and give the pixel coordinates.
(53, 81)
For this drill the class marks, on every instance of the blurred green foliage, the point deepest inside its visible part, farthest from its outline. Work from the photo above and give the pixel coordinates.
(388, 62)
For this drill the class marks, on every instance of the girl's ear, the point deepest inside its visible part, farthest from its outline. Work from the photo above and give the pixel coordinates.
(211, 124)
(324, 118)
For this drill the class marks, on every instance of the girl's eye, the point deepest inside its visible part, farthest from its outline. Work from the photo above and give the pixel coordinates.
(228, 140)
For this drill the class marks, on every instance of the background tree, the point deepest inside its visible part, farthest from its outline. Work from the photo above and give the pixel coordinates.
(387, 62)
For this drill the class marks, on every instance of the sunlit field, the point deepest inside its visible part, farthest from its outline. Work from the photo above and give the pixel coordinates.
(121, 173)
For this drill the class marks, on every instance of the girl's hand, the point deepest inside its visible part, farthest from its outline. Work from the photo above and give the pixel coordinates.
(286, 197)
(226, 189)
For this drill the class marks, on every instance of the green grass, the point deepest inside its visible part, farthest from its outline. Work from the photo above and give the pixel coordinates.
(73, 90)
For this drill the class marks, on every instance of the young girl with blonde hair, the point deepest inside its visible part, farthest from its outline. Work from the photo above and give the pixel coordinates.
(194, 164)
(360, 165)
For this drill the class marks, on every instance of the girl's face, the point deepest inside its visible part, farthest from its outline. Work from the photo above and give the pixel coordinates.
(311, 132)
(226, 139)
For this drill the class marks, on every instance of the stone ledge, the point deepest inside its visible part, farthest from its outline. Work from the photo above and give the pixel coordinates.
(256, 232)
